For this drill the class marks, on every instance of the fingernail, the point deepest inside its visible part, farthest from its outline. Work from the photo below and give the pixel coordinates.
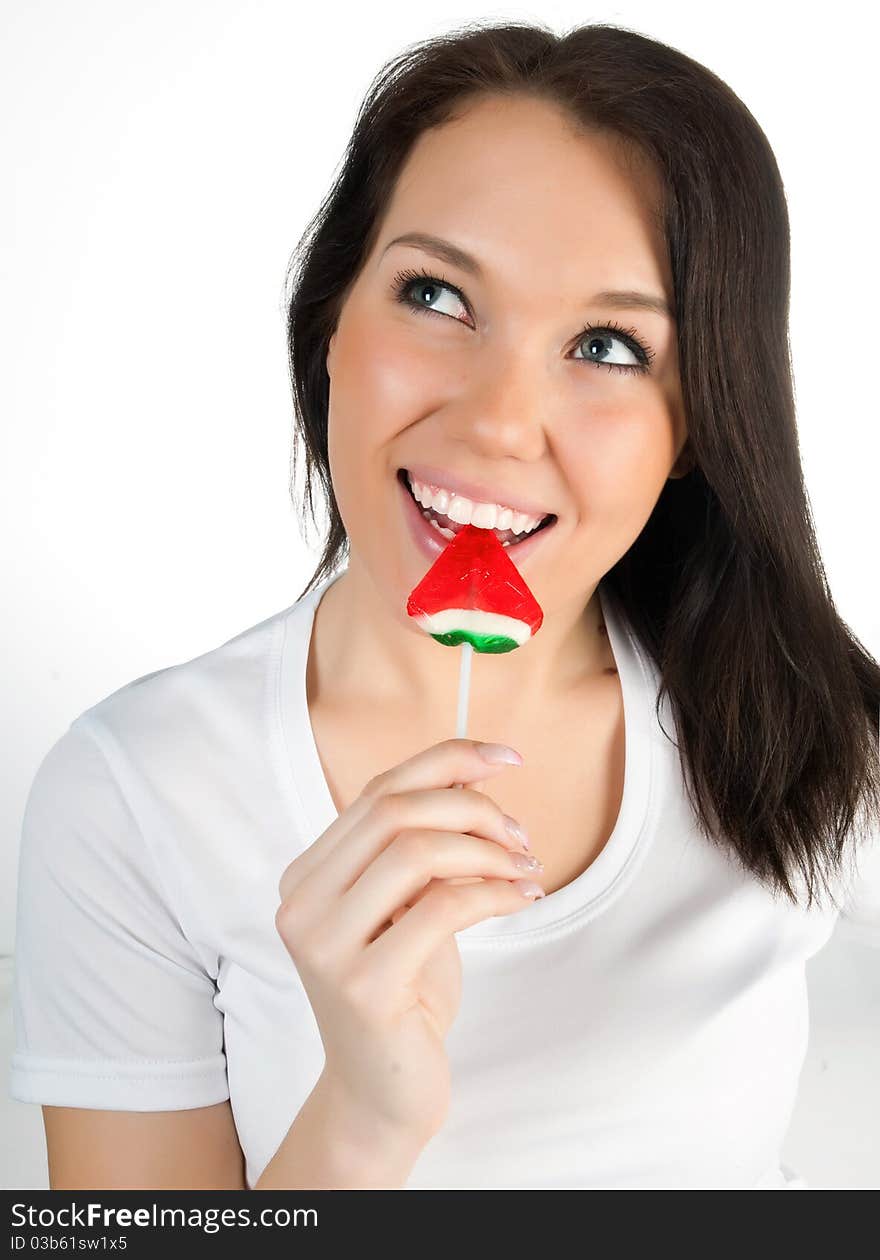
(499, 754)
(529, 888)
(516, 830)
(526, 863)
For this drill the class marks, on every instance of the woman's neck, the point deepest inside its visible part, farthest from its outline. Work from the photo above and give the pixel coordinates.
(363, 654)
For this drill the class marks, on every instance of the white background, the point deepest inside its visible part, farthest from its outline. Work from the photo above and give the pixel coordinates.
(159, 163)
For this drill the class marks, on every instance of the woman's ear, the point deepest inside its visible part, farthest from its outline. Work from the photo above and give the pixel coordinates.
(329, 352)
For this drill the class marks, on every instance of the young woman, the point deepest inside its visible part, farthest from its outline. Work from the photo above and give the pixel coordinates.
(262, 941)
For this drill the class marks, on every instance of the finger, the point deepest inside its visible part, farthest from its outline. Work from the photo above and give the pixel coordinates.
(401, 873)
(415, 812)
(401, 910)
(395, 959)
(440, 765)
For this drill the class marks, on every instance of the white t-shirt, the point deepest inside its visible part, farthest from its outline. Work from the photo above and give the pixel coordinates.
(642, 1027)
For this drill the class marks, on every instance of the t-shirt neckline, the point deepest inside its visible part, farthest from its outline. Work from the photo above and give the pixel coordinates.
(585, 896)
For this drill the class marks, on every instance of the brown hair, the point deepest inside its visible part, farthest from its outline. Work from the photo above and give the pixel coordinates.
(775, 699)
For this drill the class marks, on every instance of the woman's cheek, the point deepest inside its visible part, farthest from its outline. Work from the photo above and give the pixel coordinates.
(405, 379)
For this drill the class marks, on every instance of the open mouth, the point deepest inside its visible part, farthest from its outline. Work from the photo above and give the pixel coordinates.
(448, 528)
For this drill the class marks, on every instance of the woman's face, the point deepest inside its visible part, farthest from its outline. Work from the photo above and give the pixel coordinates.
(501, 385)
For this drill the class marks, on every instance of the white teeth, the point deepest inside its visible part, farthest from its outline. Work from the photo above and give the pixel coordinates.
(466, 512)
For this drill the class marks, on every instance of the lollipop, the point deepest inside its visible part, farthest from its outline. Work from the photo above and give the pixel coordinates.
(474, 595)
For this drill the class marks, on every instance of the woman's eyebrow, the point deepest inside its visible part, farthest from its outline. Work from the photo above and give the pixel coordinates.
(623, 299)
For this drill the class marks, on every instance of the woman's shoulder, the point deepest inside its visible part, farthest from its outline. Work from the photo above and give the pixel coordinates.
(223, 687)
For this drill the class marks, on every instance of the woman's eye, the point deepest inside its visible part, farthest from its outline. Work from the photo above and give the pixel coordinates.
(597, 338)
(598, 346)
(434, 289)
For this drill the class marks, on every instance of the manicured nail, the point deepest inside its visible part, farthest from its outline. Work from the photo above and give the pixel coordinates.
(516, 830)
(499, 755)
(529, 888)
(526, 863)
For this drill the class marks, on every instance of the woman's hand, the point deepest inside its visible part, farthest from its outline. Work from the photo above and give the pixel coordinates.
(368, 918)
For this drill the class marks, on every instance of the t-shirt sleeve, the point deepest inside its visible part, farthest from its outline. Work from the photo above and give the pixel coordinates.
(112, 1007)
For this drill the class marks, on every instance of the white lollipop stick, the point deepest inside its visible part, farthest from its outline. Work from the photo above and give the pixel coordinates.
(464, 691)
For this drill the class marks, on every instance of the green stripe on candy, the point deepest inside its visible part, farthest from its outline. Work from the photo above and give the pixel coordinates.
(485, 631)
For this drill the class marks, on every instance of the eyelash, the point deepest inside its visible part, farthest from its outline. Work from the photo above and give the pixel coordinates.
(404, 280)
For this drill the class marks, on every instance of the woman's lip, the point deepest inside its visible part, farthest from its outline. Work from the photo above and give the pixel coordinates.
(432, 544)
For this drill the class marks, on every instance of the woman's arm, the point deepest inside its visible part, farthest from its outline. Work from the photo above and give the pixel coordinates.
(326, 1147)
(330, 1146)
(197, 1149)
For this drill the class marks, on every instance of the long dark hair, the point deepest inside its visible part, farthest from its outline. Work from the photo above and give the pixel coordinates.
(775, 699)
